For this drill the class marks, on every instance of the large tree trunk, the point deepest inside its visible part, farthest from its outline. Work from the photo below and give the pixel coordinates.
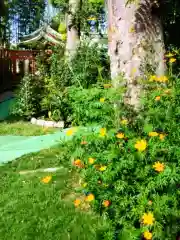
(73, 33)
(135, 44)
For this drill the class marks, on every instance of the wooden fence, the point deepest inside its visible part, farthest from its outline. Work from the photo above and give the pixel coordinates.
(13, 65)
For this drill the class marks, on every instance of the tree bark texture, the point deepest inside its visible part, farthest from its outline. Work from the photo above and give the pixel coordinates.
(73, 37)
(135, 44)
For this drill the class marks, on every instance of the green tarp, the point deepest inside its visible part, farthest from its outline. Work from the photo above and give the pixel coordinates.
(5, 108)
(12, 147)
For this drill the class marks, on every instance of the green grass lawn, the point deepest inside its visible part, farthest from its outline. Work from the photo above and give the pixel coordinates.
(33, 210)
(21, 128)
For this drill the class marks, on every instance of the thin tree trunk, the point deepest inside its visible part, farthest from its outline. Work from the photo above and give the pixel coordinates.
(73, 35)
(135, 44)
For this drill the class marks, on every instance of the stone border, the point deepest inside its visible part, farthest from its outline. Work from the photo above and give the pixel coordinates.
(44, 123)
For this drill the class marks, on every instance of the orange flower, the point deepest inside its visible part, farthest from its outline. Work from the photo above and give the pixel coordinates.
(162, 136)
(147, 235)
(91, 160)
(148, 218)
(106, 203)
(46, 179)
(158, 98)
(150, 202)
(120, 135)
(90, 197)
(78, 163)
(103, 132)
(153, 134)
(159, 167)
(77, 202)
(141, 145)
(84, 143)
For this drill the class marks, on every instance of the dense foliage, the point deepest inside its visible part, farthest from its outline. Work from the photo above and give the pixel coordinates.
(131, 173)
(28, 97)
(91, 66)
(130, 163)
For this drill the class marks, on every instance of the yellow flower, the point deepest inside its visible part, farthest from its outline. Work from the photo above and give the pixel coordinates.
(148, 218)
(158, 78)
(172, 60)
(169, 55)
(102, 168)
(162, 136)
(103, 132)
(167, 91)
(153, 78)
(147, 235)
(153, 134)
(120, 135)
(77, 202)
(141, 145)
(158, 98)
(71, 131)
(90, 198)
(92, 19)
(159, 167)
(132, 29)
(124, 121)
(163, 79)
(107, 85)
(46, 179)
(102, 100)
(91, 160)
(133, 71)
(84, 185)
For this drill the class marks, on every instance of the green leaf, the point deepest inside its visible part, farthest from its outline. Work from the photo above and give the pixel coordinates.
(148, 128)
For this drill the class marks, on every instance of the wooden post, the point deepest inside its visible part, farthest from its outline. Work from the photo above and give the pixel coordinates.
(26, 66)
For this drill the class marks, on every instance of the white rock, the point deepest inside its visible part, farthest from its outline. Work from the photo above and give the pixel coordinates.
(40, 122)
(44, 123)
(49, 124)
(59, 124)
(33, 120)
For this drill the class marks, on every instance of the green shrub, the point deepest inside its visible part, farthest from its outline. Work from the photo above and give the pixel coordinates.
(90, 65)
(28, 97)
(93, 106)
(138, 180)
(54, 102)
